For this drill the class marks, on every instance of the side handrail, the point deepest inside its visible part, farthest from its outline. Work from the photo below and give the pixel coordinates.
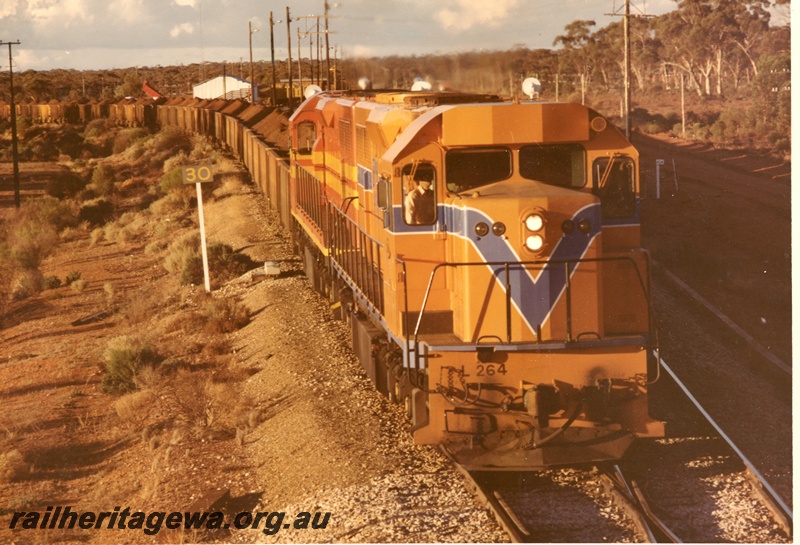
(357, 253)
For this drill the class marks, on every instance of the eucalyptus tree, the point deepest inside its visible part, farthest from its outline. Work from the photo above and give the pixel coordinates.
(752, 19)
(684, 35)
(577, 50)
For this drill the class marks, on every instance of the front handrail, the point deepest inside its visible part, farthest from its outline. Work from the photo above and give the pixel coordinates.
(414, 362)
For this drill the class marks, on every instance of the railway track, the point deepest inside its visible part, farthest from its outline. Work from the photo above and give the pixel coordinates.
(747, 339)
(605, 503)
(761, 487)
(558, 505)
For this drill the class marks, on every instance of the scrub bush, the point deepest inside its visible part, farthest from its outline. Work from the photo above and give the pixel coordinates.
(125, 357)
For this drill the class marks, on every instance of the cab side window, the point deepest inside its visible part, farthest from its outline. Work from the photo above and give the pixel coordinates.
(419, 204)
(306, 136)
(614, 182)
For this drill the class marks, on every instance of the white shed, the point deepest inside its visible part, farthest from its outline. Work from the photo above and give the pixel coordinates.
(229, 87)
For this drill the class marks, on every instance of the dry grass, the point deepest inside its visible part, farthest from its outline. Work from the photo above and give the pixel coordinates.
(125, 357)
(206, 408)
(26, 283)
(13, 466)
(97, 235)
(79, 285)
(144, 303)
(134, 408)
(225, 316)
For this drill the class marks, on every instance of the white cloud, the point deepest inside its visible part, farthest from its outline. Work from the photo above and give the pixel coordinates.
(465, 14)
(183, 28)
(362, 51)
(130, 11)
(27, 59)
(46, 12)
(186, 3)
(8, 8)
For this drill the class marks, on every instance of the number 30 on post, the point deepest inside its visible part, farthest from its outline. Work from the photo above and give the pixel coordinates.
(198, 174)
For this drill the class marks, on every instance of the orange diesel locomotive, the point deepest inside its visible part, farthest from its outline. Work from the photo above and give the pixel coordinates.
(488, 257)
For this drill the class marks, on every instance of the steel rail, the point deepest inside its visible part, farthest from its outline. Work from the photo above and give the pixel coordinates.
(745, 336)
(773, 501)
(625, 492)
(633, 502)
(496, 504)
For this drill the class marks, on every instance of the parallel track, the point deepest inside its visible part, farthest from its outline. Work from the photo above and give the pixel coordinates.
(762, 488)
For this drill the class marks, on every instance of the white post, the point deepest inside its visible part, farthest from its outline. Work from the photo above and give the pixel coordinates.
(659, 162)
(203, 237)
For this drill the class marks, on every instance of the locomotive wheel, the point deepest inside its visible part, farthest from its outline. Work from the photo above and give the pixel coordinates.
(408, 406)
(396, 393)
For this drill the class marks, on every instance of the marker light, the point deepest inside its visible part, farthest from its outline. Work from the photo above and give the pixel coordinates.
(499, 228)
(534, 243)
(568, 226)
(481, 229)
(598, 124)
(585, 226)
(534, 222)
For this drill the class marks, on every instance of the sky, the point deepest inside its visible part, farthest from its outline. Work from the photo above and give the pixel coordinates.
(104, 34)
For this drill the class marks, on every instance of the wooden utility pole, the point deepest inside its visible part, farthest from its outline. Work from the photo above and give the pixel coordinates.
(289, 51)
(272, 56)
(319, 60)
(627, 29)
(557, 74)
(310, 57)
(253, 91)
(327, 48)
(627, 62)
(14, 145)
(299, 63)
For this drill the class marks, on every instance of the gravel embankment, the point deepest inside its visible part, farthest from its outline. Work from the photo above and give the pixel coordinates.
(328, 441)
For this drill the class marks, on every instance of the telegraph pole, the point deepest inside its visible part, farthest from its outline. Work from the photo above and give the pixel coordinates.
(14, 145)
(272, 54)
(289, 51)
(319, 61)
(252, 74)
(327, 48)
(299, 63)
(626, 28)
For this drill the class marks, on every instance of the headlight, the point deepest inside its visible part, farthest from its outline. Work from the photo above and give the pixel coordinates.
(481, 229)
(534, 222)
(534, 243)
